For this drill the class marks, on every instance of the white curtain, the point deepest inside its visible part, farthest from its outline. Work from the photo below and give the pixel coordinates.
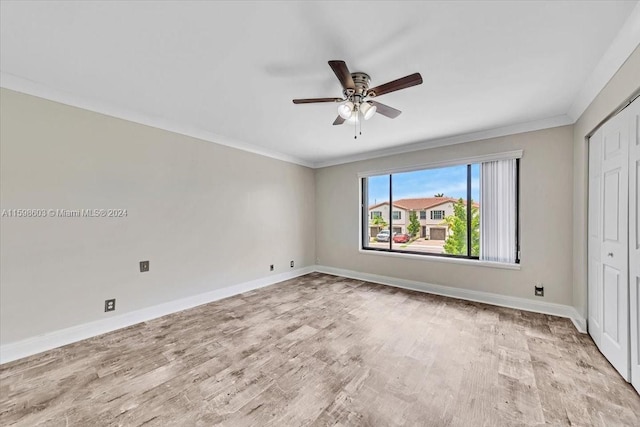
(498, 211)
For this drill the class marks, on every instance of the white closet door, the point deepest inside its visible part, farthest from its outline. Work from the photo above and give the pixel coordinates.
(634, 239)
(612, 289)
(594, 323)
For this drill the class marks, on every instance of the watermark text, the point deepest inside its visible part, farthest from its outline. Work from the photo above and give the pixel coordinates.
(64, 213)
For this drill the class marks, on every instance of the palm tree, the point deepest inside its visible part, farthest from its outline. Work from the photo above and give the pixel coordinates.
(378, 221)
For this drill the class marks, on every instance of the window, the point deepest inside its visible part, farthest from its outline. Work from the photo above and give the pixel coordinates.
(437, 214)
(377, 200)
(376, 214)
(452, 196)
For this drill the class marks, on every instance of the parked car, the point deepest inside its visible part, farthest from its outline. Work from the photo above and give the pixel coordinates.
(401, 238)
(383, 236)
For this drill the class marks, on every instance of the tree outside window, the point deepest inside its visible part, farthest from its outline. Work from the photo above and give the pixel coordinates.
(456, 243)
(414, 225)
(378, 221)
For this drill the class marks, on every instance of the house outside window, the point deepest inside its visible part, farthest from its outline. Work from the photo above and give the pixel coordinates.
(376, 214)
(437, 214)
(397, 215)
(423, 214)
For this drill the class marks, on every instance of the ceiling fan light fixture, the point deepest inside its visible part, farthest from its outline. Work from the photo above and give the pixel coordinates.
(368, 110)
(353, 118)
(345, 109)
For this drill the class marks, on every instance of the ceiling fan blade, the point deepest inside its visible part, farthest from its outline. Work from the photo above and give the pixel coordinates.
(338, 121)
(313, 100)
(385, 110)
(343, 74)
(402, 83)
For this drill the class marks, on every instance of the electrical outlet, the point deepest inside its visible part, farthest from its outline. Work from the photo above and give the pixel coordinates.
(110, 305)
(144, 266)
(291, 264)
(271, 267)
(538, 290)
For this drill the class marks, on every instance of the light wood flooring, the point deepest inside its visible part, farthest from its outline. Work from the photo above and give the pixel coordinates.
(325, 350)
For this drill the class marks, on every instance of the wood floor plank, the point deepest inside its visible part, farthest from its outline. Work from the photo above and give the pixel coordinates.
(325, 350)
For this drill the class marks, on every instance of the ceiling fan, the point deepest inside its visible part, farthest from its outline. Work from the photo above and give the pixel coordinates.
(358, 97)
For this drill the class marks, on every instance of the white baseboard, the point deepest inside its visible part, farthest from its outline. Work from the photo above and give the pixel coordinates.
(51, 340)
(466, 294)
(30, 346)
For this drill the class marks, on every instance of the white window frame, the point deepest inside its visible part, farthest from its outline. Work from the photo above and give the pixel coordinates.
(516, 154)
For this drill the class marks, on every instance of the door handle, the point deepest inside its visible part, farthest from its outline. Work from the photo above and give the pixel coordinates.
(610, 254)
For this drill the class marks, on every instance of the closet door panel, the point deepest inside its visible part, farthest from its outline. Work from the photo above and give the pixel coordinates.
(609, 289)
(594, 272)
(634, 239)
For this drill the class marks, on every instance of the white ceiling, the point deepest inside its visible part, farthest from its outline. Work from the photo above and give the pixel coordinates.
(227, 72)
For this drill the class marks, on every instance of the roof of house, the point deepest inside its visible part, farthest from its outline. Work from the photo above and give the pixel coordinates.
(423, 202)
(419, 203)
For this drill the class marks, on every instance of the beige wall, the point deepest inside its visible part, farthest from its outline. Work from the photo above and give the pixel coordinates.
(546, 217)
(623, 84)
(205, 215)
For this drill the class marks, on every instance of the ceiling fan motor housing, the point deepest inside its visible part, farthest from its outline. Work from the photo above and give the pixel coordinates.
(361, 82)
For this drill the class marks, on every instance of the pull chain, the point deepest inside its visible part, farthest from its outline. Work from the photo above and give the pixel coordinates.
(355, 127)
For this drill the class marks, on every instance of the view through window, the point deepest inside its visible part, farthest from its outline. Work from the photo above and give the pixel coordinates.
(434, 211)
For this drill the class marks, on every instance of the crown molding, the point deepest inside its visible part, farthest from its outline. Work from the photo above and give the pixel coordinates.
(19, 84)
(547, 123)
(627, 40)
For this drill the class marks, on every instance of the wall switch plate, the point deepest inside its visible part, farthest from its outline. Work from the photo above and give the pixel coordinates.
(538, 291)
(271, 267)
(110, 305)
(292, 264)
(144, 266)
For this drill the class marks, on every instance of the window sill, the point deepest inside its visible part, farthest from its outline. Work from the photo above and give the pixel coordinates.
(472, 262)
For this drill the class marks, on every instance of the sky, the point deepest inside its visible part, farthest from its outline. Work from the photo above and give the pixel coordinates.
(452, 181)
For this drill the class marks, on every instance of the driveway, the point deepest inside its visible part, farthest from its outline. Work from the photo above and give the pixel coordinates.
(420, 245)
